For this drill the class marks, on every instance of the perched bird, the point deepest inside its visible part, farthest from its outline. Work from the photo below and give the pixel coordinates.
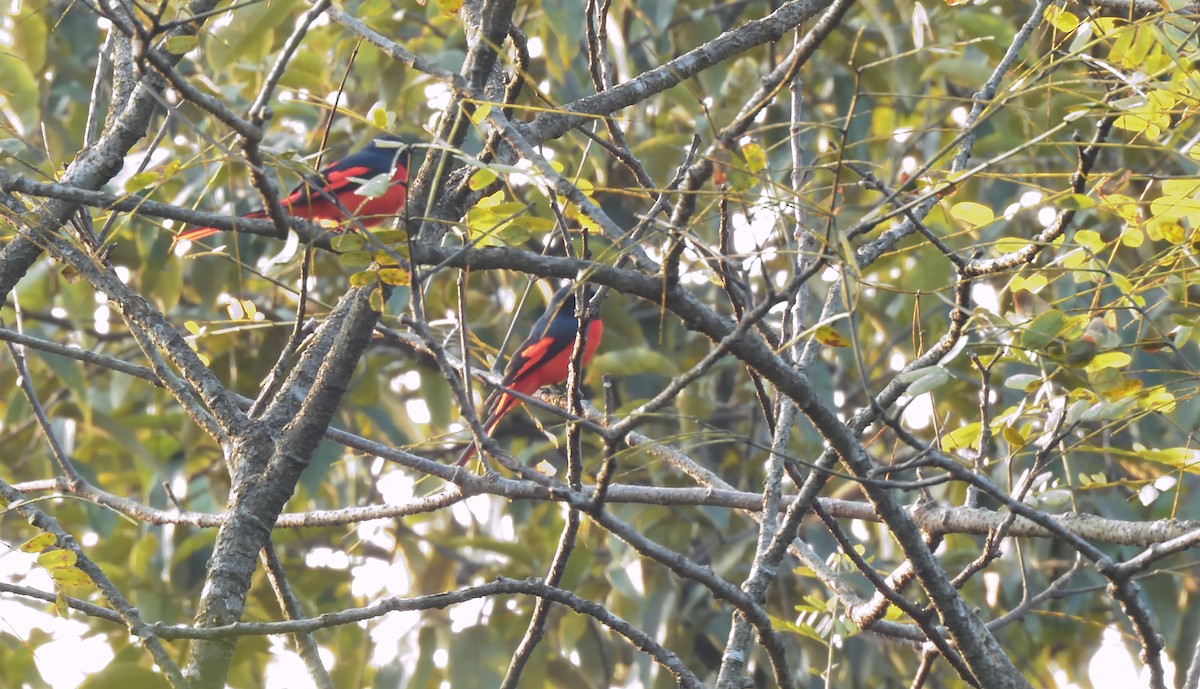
(330, 194)
(544, 358)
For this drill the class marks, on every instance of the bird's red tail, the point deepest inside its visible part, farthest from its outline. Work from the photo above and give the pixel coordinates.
(198, 233)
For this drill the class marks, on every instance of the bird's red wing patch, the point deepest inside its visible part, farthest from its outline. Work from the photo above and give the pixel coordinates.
(532, 357)
(337, 179)
(334, 181)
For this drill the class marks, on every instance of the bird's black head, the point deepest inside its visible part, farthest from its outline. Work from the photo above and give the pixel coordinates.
(396, 148)
(564, 299)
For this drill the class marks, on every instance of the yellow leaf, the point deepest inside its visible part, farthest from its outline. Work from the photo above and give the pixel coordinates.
(1175, 207)
(756, 159)
(55, 559)
(971, 213)
(393, 276)
(482, 178)
(1132, 237)
(1173, 232)
(1122, 283)
(1109, 360)
(180, 44)
(1090, 239)
(363, 278)
(1076, 202)
(1126, 207)
(1159, 400)
(1180, 187)
(481, 112)
(1061, 19)
(1075, 259)
(38, 543)
(1125, 388)
(1007, 245)
(1139, 124)
(492, 200)
(1012, 436)
(380, 116)
(1159, 99)
(962, 438)
(70, 576)
(1174, 456)
(829, 336)
(1032, 284)
(1104, 25)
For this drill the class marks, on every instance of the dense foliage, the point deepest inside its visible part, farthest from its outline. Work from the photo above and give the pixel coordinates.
(900, 341)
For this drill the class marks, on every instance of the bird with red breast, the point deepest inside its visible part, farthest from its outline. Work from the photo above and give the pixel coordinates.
(332, 193)
(544, 358)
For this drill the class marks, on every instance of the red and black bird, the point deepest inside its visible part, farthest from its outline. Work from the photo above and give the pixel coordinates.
(544, 358)
(330, 194)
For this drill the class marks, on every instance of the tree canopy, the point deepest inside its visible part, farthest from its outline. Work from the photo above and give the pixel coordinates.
(897, 385)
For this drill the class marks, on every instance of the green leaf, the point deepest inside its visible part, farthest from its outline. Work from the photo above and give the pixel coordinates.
(355, 259)
(631, 362)
(1044, 329)
(163, 280)
(11, 146)
(19, 90)
(1025, 382)
(180, 44)
(248, 36)
(70, 373)
(932, 378)
(971, 213)
(391, 237)
(959, 71)
(29, 35)
(346, 243)
(375, 187)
